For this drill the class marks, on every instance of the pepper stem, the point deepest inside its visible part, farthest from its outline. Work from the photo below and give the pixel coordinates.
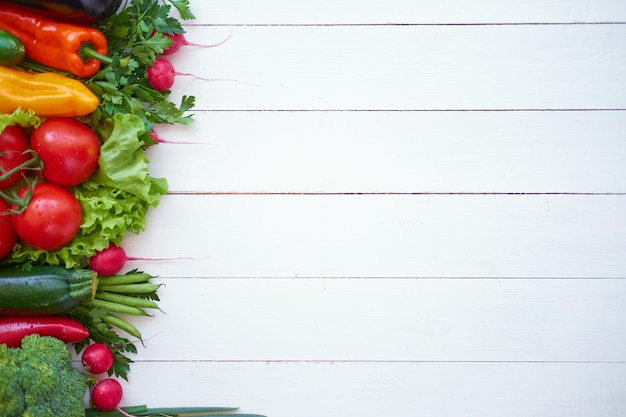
(88, 52)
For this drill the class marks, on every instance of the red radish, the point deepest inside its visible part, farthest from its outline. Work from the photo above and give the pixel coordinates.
(179, 40)
(97, 358)
(111, 260)
(106, 395)
(161, 75)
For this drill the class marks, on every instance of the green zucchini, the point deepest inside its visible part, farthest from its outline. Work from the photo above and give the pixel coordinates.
(12, 50)
(45, 289)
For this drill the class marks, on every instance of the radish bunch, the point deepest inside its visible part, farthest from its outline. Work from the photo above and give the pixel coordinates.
(162, 73)
(106, 394)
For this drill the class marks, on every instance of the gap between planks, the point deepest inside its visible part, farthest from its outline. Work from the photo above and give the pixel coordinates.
(387, 278)
(376, 193)
(402, 24)
(373, 361)
(512, 110)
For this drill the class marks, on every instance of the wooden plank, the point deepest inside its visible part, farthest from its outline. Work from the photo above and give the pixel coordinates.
(407, 12)
(405, 152)
(387, 236)
(396, 320)
(386, 389)
(410, 67)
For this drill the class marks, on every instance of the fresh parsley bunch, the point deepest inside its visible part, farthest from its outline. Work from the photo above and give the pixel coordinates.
(136, 36)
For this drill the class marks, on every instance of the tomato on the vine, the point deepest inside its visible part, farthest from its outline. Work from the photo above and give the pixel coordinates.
(68, 148)
(7, 233)
(13, 153)
(50, 220)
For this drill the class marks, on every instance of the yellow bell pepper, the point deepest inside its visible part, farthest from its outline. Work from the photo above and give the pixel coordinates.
(48, 94)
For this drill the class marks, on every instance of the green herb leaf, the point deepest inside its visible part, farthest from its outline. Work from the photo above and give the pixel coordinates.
(183, 8)
(137, 34)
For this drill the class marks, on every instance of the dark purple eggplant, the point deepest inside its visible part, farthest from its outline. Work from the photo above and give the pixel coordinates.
(76, 11)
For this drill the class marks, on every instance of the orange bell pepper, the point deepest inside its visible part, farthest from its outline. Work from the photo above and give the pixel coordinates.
(47, 94)
(64, 46)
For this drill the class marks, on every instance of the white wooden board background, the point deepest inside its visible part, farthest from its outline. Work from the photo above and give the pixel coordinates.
(403, 208)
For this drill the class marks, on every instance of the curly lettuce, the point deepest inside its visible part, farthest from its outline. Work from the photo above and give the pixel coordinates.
(26, 119)
(116, 200)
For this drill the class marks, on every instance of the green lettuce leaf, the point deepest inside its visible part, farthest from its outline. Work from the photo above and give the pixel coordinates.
(19, 117)
(123, 163)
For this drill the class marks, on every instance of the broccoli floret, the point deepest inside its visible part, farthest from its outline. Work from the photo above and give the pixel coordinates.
(11, 395)
(48, 350)
(49, 384)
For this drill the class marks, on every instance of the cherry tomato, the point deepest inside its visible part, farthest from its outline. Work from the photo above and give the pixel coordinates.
(7, 233)
(50, 220)
(13, 145)
(68, 148)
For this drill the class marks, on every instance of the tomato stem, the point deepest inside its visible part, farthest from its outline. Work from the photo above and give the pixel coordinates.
(20, 203)
(34, 160)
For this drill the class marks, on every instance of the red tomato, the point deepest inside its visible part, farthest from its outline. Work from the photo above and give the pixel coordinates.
(13, 144)
(7, 233)
(69, 150)
(50, 220)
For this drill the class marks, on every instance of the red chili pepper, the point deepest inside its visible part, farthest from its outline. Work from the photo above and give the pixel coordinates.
(68, 47)
(14, 329)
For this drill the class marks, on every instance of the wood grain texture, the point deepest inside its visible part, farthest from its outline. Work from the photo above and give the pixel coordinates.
(396, 152)
(312, 389)
(282, 12)
(534, 236)
(390, 320)
(410, 68)
(399, 209)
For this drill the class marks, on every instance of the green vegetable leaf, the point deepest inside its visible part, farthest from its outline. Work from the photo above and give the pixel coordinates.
(187, 103)
(19, 117)
(137, 34)
(123, 164)
(157, 42)
(183, 8)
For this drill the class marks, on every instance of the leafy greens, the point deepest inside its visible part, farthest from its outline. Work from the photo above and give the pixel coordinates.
(136, 36)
